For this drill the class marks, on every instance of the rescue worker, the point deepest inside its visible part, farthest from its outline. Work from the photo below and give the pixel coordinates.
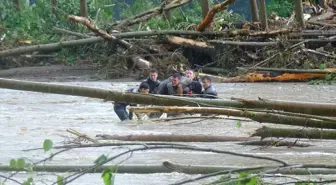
(152, 81)
(209, 91)
(120, 108)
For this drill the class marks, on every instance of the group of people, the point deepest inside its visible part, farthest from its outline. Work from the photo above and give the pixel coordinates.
(186, 84)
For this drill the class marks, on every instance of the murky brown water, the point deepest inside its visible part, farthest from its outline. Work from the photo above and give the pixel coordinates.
(27, 118)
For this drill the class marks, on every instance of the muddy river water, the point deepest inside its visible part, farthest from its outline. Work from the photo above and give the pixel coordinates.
(27, 118)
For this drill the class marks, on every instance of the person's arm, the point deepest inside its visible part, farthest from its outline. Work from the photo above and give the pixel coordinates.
(179, 90)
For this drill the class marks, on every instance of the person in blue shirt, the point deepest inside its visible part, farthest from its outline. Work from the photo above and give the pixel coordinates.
(120, 108)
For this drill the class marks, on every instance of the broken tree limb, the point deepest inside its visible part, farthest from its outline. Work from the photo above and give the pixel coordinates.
(242, 43)
(319, 53)
(300, 107)
(188, 42)
(172, 138)
(211, 14)
(48, 47)
(255, 116)
(138, 61)
(144, 16)
(266, 132)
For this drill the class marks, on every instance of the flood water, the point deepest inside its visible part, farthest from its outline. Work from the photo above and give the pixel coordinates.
(28, 118)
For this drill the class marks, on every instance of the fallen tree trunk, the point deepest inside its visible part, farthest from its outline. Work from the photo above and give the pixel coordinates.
(242, 43)
(256, 116)
(138, 61)
(60, 30)
(188, 42)
(266, 132)
(324, 71)
(166, 167)
(291, 106)
(172, 138)
(300, 107)
(271, 143)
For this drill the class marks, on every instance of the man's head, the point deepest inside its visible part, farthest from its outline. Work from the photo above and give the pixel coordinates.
(189, 74)
(144, 88)
(176, 80)
(153, 74)
(206, 81)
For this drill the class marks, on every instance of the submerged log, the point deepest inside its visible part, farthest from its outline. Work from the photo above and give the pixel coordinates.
(172, 138)
(256, 116)
(167, 167)
(275, 143)
(266, 132)
(300, 107)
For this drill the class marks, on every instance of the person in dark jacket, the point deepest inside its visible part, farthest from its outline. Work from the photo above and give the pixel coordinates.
(120, 108)
(152, 81)
(209, 91)
(195, 87)
(174, 87)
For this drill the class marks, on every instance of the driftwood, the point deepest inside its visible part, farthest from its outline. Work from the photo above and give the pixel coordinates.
(60, 30)
(138, 61)
(165, 167)
(326, 109)
(256, 116)
(266, 132)
(242, 43)
(172, 138)
(188, 42)
(324, 71)
(319, 53)
(277, 143)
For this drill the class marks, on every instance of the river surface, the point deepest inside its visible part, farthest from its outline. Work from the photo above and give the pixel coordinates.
(28, 118)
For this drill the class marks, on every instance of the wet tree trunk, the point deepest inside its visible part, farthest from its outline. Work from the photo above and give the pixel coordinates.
(172, 138)
(256, 116)
(266, 132)
(262, 14)
(254, 10)
(299, 13)
(83, 8)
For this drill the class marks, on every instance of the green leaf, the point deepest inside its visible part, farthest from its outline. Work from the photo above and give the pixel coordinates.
(107, 177)
(60, 180)
(12, 163)
(20, 164)
(238, 124)
(28, 181)
(100, 159)
(253, 181)
(47, 145)
(29, 167)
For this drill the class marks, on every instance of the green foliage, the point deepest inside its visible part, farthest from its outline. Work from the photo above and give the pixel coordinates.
(20, 164)
(108, 176)
(12, 163)
(29, 181)
(283, 8)
(100, 159)
(245, 180)
(47, 145)
(238, 124)
(60, 180)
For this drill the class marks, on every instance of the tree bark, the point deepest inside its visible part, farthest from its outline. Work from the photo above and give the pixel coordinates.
(266, 132)
(299, 13)
(256, 116)
(172, 138)
(83, 8)
(326, 109)
(272, 143)
(188, 42)
(262, 14)
(254, 10)
(60, 30)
